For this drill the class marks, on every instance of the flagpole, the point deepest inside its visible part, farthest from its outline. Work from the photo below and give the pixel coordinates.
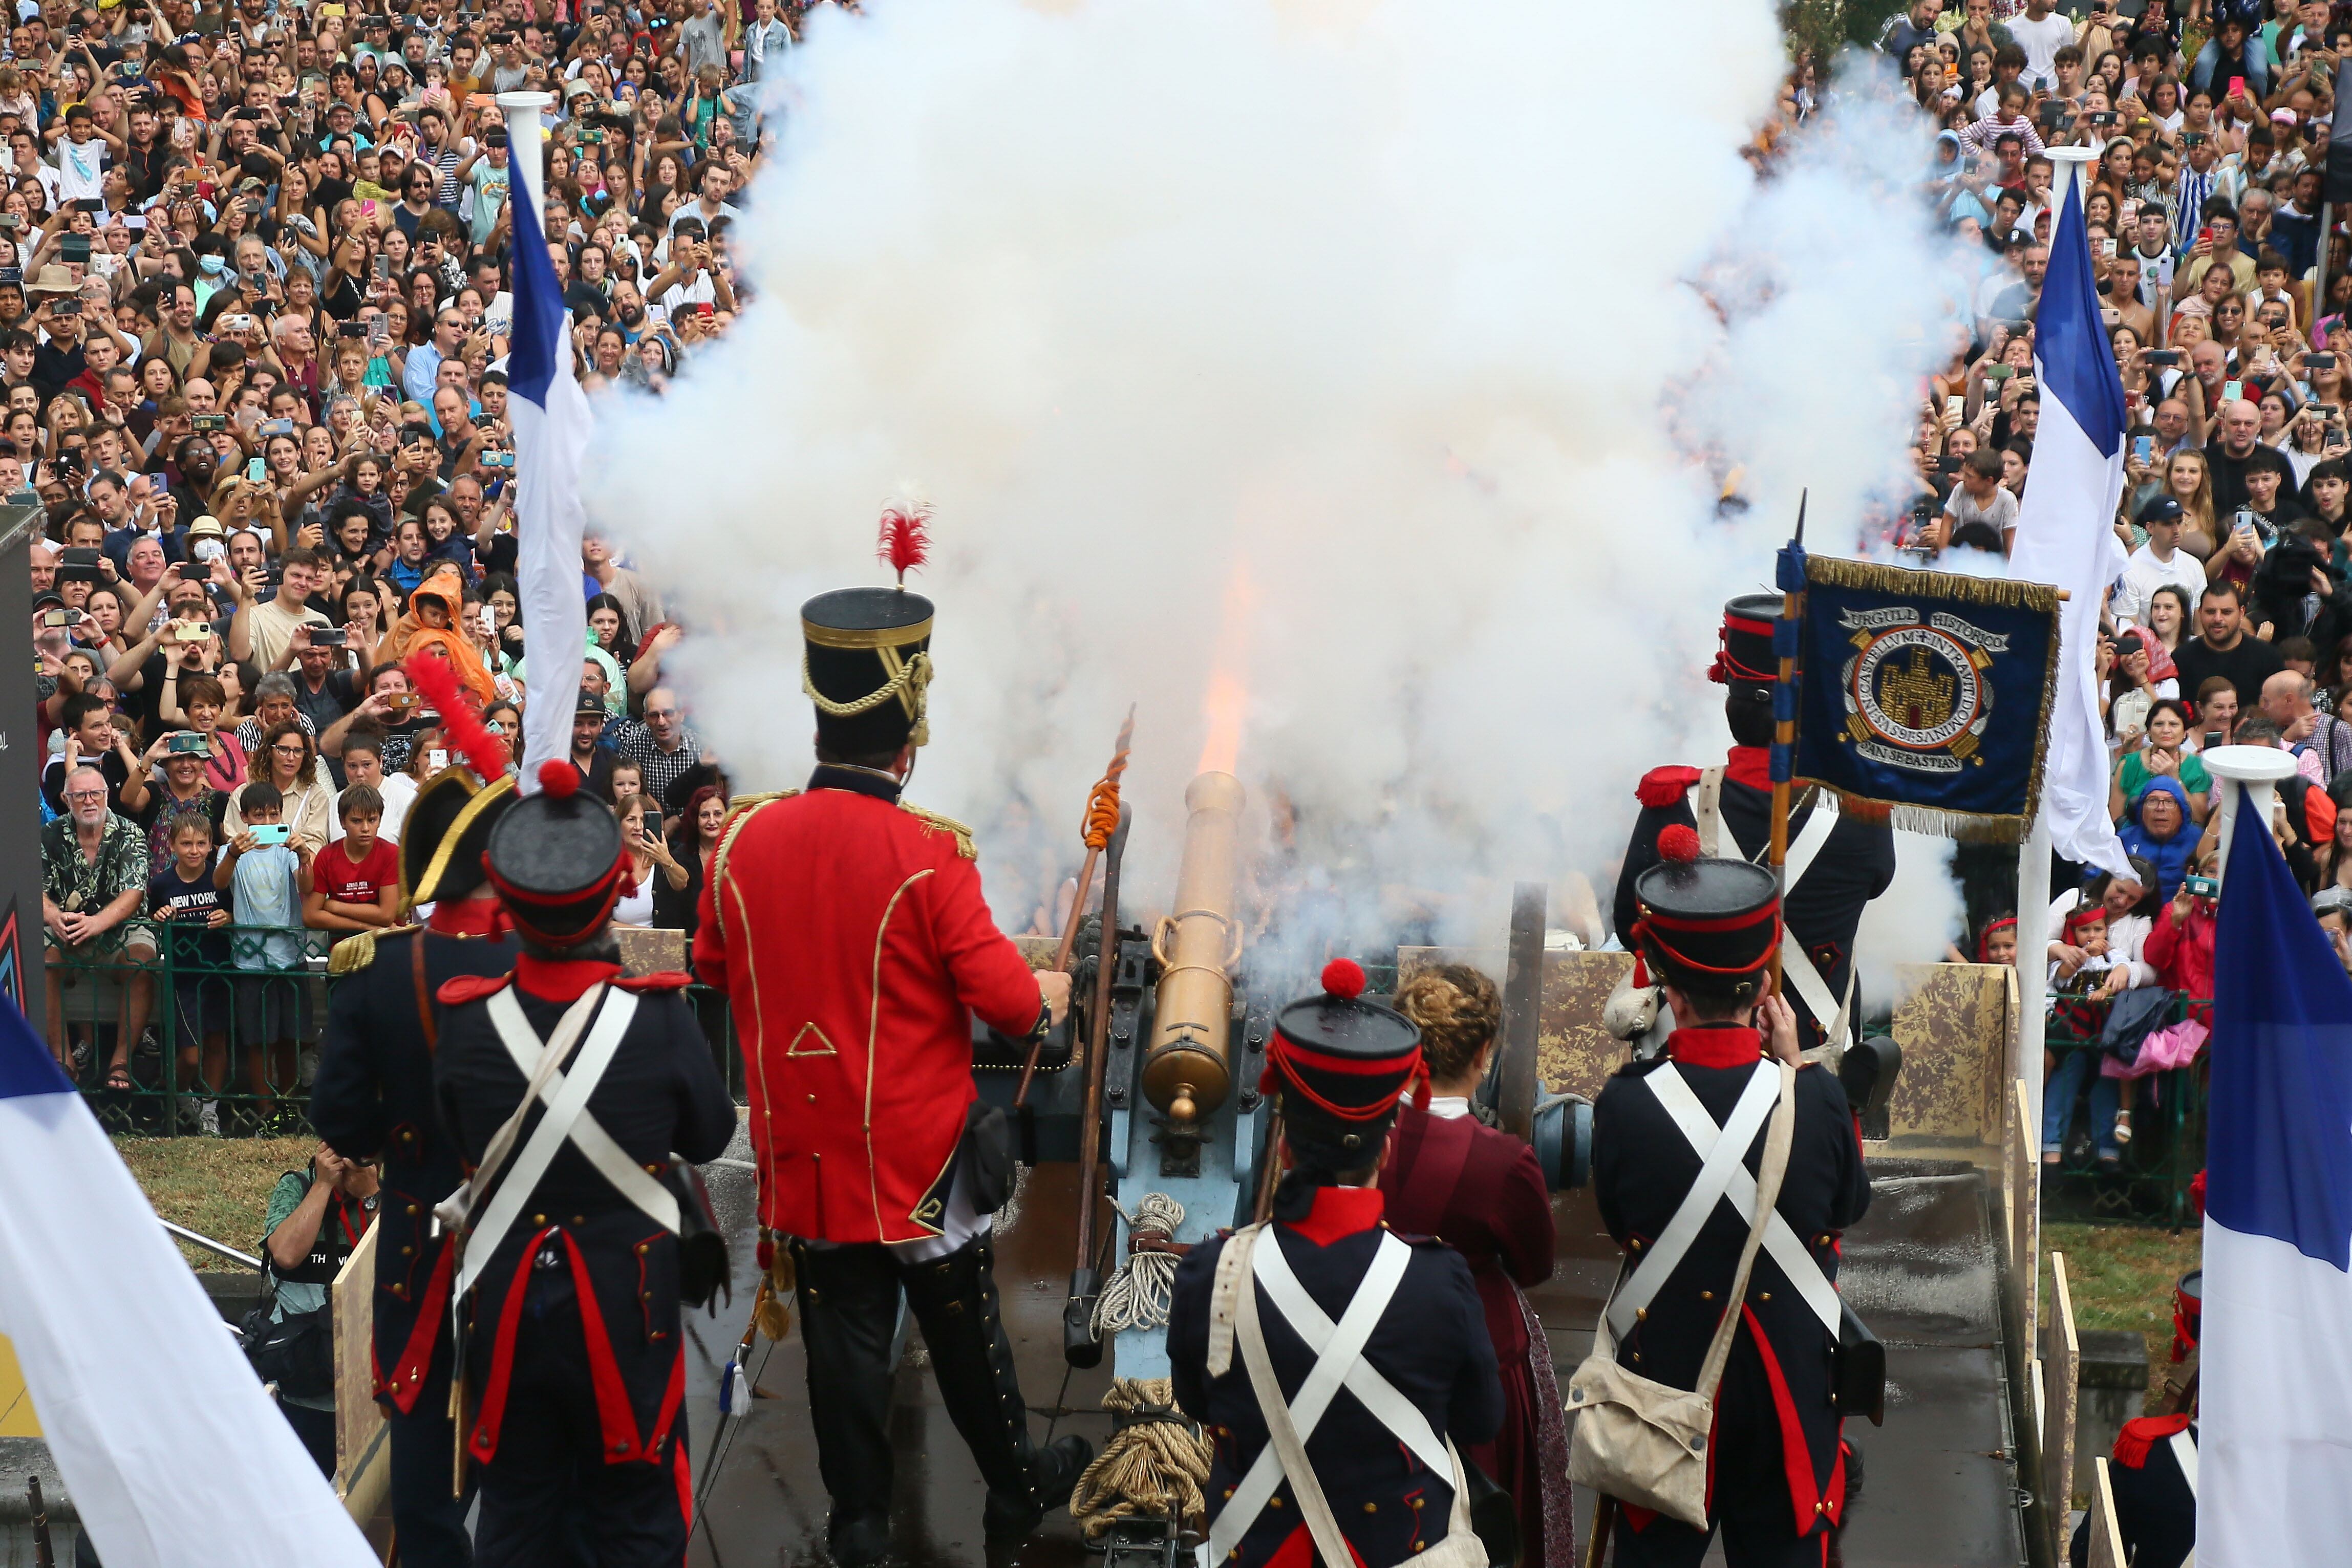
(2033, 897)
(1784, 715)
(2250, 777)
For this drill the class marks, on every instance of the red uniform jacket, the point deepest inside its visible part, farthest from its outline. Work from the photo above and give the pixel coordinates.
(850, 935)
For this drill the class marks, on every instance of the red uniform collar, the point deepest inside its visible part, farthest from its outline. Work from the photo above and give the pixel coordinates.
(1716, 1045)
(560, 980)
(1749, 765)
(469, 917)
(1338, 1212)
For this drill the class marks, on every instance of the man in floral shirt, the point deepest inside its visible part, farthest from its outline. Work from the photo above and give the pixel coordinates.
(93, 878)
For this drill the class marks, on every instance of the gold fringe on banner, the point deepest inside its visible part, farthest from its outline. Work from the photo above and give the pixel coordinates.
(1910, 582)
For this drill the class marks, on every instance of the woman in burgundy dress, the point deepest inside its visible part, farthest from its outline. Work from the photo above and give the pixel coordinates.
(1482, 1193)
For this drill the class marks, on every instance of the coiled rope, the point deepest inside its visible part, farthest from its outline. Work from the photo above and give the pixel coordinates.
(1138, 1295)
(1155, 1464)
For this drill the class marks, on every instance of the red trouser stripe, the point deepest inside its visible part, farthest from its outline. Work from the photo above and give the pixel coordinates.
(1805, 1498)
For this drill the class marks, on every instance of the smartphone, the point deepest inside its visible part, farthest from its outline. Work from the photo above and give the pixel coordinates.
(2196, 139)
(1948, 466)
(2237, 88)
(255, 472)
(2201, 886)
(70, 249)
(383, 267)
(205, 423)
(436, 760)
(70, 307)
(2213, 737)
(497, 460)
(56, 617)
(1998, 373)
(192, 631)
(186, 743)
(2319, 361)
(2166, 357)
(269, 832)
(400, 702)
(277, 427)
(2144, 448)
(89, 204)
(379, 330)
(329, 636)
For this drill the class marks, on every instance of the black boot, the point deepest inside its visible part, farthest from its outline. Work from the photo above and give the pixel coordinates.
(953, 1299)
(849, 1305)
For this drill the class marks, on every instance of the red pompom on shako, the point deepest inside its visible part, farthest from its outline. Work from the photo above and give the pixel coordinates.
(1350, 1059)
(558, 861)
(1706, 924)
(1677, 842)
(558, 779)
(1343, 977)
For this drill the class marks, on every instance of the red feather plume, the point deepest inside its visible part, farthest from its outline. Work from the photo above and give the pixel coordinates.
(906, 541)
(461, 721)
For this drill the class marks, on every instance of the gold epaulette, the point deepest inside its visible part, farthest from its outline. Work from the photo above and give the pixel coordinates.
(357, 951)
(964, 846)
(739, 811)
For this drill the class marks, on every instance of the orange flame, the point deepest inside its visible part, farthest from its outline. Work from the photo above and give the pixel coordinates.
(1224, 707)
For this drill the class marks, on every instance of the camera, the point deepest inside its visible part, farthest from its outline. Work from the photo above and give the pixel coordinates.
(186, 743)
(70, 307)
(56, 617)
(205, 423)
(2201, 886)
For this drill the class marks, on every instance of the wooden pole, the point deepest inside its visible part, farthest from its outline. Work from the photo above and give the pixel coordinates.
(1102, 819)
(1080, 1346)
(1784, 737)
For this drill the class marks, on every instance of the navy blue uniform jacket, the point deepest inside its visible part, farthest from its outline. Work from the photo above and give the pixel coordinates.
(662, 1094)
(1776, 1425)
(373, 1100)
(1431, 1343)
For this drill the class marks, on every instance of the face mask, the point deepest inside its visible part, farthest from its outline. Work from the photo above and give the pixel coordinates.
(211, 265)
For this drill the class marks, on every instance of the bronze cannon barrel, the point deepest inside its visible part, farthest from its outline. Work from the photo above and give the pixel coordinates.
(1187, 1070)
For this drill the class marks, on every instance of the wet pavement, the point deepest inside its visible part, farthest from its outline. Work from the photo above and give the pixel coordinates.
(1920, 1269)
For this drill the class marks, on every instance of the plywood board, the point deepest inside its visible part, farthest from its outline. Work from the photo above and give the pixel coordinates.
(646, 951)
(1574, 1054)
(17, 1418)
(2107, 1542)
(362, 1461)
(1953, 1022)
(2061, 1359)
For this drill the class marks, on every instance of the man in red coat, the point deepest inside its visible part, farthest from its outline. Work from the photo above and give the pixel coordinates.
(849, 931)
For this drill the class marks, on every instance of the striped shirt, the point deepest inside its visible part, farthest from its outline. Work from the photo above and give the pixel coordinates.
(2189, 197)
(1981, 136)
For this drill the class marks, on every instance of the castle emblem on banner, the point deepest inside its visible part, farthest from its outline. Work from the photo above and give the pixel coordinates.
(1916, 693)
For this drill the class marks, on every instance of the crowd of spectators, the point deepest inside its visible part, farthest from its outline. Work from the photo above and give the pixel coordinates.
(255, 298)
(2229, 313)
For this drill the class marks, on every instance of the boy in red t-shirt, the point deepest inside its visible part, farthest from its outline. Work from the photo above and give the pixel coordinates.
(353, 884)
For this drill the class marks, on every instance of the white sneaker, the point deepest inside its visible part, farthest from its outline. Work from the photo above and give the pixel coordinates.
(208, 1118)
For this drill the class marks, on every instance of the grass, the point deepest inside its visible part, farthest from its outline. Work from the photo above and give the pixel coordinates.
(2122, 1276)
(219, 1186)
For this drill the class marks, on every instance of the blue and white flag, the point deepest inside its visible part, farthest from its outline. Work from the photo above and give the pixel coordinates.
(171, 1451)
(2065, 533)
(2275, 1440)
(552, 428)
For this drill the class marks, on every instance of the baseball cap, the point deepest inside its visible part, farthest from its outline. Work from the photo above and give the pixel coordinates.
(2158, 509)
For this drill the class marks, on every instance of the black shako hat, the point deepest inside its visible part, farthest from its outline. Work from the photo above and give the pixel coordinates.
(865, 661)
(556, 860)
(448, 824)
(1348, 1057)
(1746, 656)
(1704, 924)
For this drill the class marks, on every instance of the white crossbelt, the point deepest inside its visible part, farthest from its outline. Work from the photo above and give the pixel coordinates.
(567, 1121)
(1339, 1349)
(1796, 965)
(1717, 1164)
(1706, 1140)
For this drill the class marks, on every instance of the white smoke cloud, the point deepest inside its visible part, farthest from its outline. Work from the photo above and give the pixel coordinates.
(1392, 315)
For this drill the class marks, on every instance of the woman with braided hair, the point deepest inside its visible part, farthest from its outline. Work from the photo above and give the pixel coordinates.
(1482, 1192)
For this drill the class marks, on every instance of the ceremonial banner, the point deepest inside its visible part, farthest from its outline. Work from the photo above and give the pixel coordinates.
(1925, 696)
